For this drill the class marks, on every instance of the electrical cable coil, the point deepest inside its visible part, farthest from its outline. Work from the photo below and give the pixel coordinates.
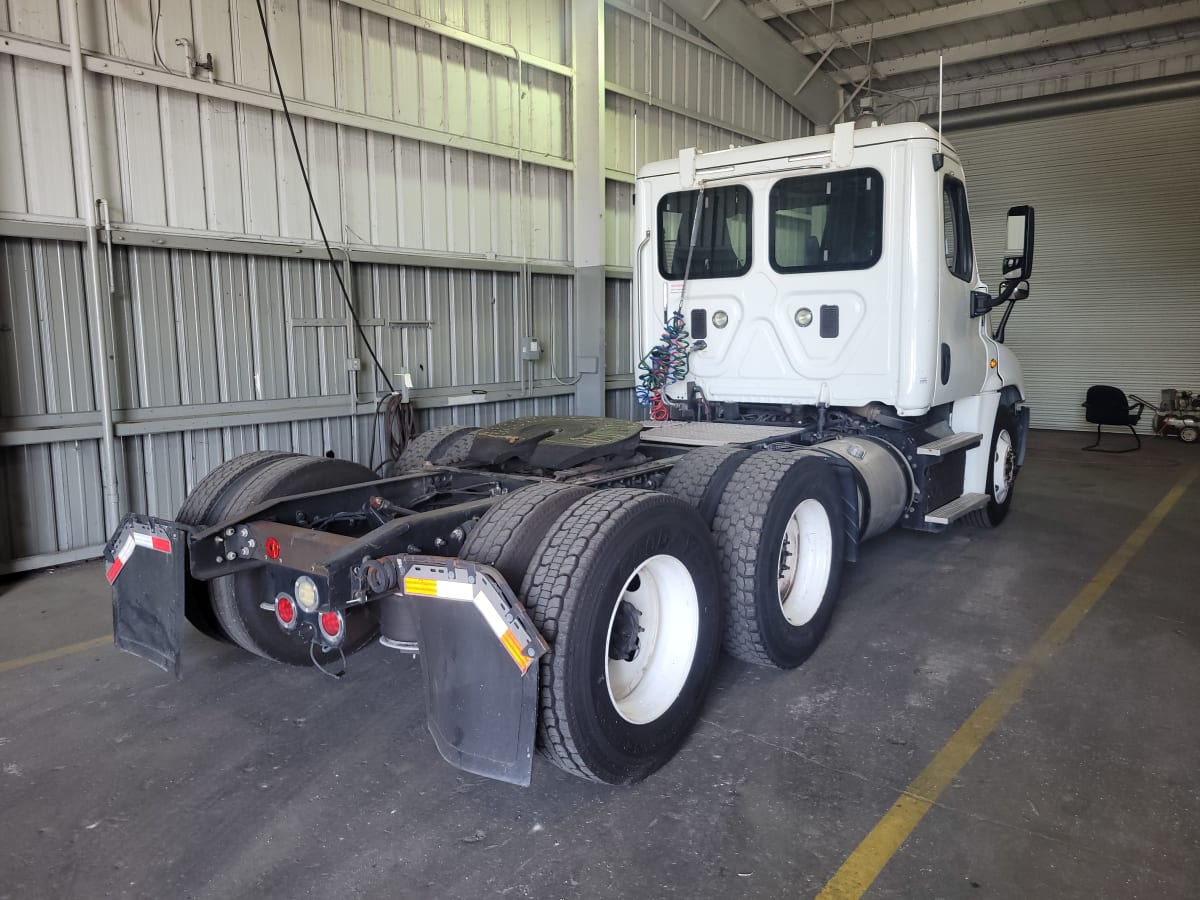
(664, 365)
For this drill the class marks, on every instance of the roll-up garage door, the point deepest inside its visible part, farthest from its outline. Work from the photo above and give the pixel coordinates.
(1116, 289)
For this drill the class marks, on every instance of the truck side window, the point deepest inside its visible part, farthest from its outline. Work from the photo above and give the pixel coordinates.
(956, 229)
(826, 223)
(722, 248)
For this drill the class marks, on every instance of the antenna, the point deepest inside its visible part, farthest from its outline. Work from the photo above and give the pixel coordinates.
(939, 159)
(939, 103)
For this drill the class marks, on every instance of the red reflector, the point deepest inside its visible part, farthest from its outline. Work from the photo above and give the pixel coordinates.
(161, 544)
(114, 570)
(285, 609)
(331, 623)
(272, 548)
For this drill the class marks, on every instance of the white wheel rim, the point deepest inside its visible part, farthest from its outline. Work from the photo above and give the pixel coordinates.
(1004, 463)
(664, 595)
(805, 561)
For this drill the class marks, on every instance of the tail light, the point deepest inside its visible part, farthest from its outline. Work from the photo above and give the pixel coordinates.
(333, 628)
(285, 611)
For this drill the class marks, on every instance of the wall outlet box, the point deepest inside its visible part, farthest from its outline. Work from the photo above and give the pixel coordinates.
(354, 364)
(531, 348)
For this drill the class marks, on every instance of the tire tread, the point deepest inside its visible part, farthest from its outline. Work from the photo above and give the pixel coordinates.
(445, 445)
(739, 526)
(562, 557)
(692, 476)
(508, 535)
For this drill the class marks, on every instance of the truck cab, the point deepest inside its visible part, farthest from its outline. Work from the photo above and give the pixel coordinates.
(832, 272)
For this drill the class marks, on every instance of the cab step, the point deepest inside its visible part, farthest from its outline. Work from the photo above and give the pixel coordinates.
(964, 440)
(956, 508)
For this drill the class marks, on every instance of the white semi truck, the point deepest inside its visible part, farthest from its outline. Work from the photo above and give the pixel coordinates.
(819, 366)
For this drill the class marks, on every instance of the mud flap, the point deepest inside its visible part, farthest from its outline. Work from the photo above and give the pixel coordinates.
(145, 564)
(482, 710)
(480, 660)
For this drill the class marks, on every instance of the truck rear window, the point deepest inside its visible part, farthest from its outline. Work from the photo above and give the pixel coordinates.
(827, 222)
(722, 244)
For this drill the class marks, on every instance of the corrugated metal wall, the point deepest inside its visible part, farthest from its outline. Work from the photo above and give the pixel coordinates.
(232, 353)
(1116, 288)
(437, 135)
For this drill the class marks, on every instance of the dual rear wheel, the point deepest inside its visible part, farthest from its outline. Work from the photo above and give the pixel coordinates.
(777, 521)
(236, 608)
(623, 584)
(636, 590)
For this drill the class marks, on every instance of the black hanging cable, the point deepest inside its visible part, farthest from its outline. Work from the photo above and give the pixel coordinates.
(401, 424)
(312, 201)
(399, 427)
(375, 433)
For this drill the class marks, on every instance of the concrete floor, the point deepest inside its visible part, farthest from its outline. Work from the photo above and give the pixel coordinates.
(251, 780)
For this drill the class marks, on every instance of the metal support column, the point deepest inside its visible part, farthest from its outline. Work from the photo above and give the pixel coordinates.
(587, 59)
(99, 298)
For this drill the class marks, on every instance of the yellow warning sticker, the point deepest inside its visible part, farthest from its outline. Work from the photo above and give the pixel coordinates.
(515, 650)
(426, 587)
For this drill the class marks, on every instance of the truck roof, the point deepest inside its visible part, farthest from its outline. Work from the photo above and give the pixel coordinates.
(819, 143)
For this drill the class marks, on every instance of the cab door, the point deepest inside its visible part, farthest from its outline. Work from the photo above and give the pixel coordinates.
(961, 363)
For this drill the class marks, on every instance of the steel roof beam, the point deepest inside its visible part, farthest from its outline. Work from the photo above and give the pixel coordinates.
(1108, 96)
(938, 17)
(1090, 29)
(768, 10)
(1166, 59)
(755, 45)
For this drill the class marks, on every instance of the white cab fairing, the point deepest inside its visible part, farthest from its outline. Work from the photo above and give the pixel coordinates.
(878, 320)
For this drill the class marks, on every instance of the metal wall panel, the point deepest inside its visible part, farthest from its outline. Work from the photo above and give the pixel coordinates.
(620, 362)
(689, 93)
(620, 403)
(618, 313)
(618, 224)
(170, 158)
(660, 134)
(195, 332)
(1116, 284)
(218, 353)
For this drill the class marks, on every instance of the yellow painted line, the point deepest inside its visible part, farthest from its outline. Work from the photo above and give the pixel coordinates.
(863, 866)
(46, 655)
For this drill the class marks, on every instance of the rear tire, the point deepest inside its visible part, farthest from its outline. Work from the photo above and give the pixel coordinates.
(1001, 473)
(781, 543)
(508, 534)
(447, 445)
(236, 598)
(699, 477)
(198, 509)
(616, 702)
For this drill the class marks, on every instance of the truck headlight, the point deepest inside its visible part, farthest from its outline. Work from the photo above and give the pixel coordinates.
(306, 593)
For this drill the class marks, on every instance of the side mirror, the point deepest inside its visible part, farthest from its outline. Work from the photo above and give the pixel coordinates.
(1018, 254)
(1014, 290)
